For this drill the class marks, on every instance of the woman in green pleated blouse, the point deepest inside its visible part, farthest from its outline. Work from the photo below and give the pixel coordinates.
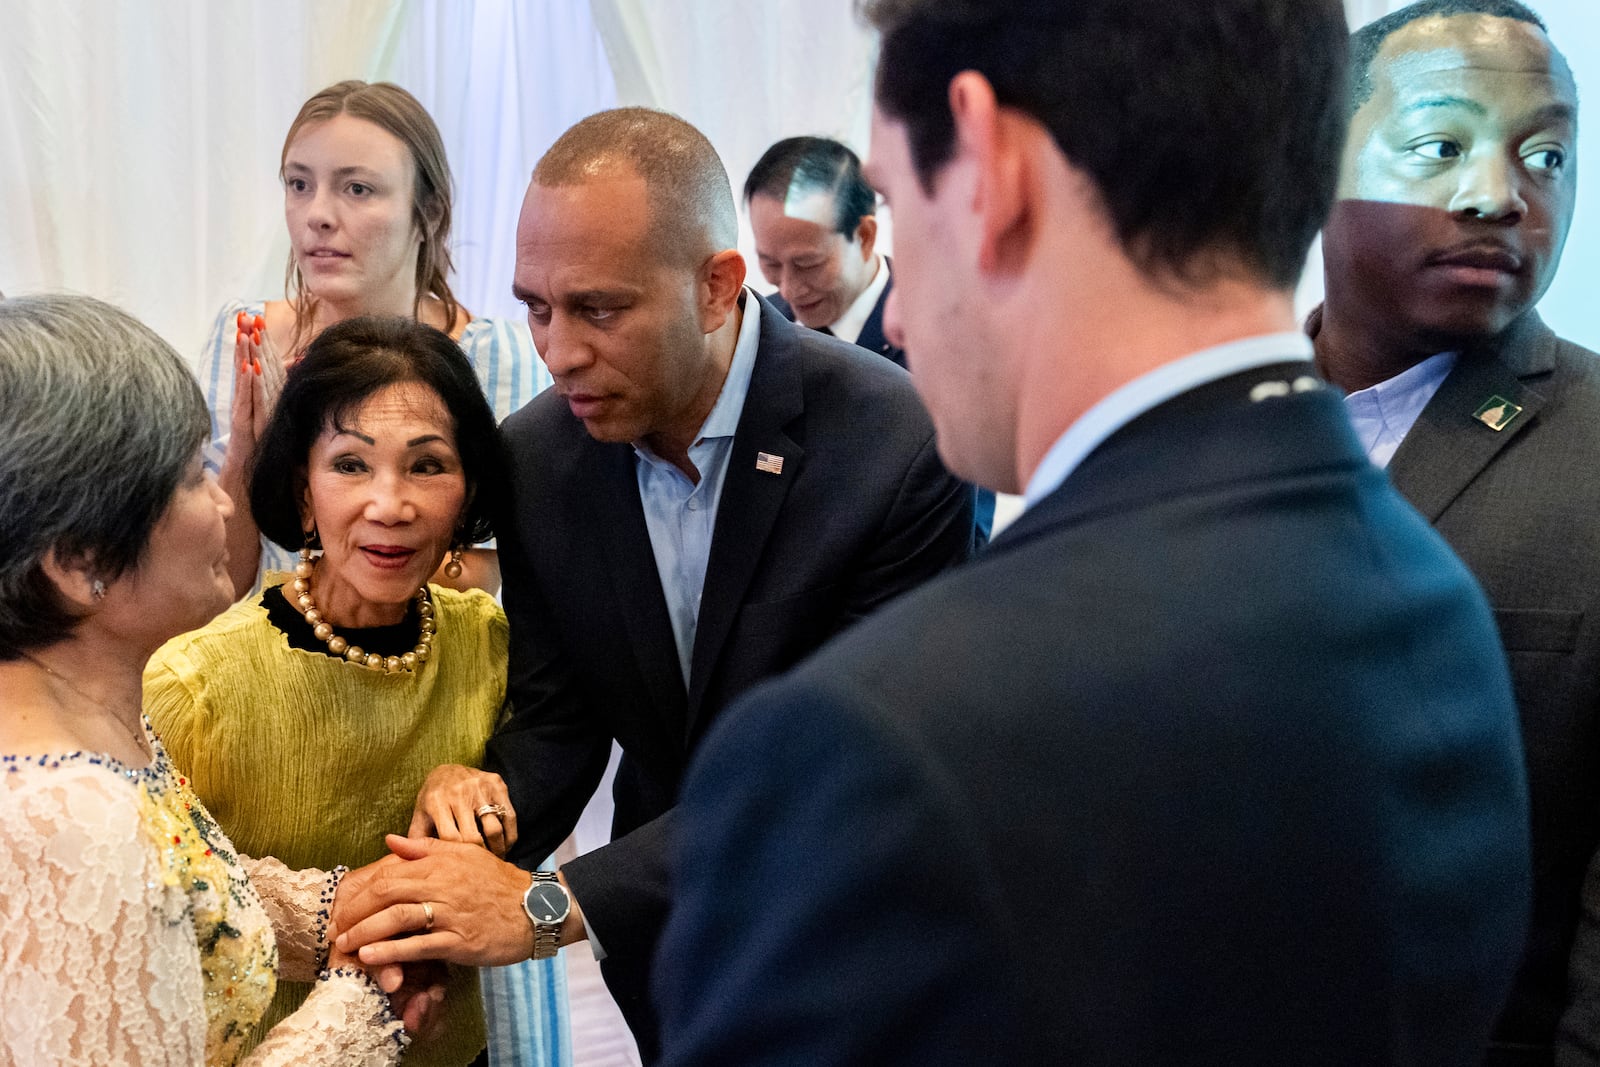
(309, 715)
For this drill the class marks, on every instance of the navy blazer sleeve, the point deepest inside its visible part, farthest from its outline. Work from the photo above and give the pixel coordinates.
(760, 953)
(553, 751)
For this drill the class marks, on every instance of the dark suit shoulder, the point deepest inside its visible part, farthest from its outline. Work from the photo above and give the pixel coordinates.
(545, 417)
(842, 387)
(781, 304)
(552, 453)
(837, 368)
(1165, 687)
(1519, 505)
(1577, 371)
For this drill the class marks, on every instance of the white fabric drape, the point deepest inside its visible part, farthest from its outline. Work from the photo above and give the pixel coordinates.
(139, 140)
(502, 80)
(139, 144)
(747, 74)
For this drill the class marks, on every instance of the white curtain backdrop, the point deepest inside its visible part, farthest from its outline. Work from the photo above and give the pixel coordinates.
(747, 74)
(502, 80)
(139, 144)
(139, 139)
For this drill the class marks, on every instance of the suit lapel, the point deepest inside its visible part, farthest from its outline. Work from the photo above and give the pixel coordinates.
(616, 511)
(751, 497)
(872, 331)
(1450, 443)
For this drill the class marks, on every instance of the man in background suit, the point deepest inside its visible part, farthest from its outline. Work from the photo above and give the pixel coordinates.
(1456, 191)
(707, 495)
(1211, 756)
(816, 227)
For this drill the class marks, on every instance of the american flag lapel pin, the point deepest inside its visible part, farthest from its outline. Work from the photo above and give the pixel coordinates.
(768, 463)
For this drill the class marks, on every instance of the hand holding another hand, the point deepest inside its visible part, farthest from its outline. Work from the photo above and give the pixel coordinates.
(417, 990)
(473, 898)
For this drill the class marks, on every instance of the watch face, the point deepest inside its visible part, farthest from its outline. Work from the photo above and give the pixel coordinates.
(547, 903)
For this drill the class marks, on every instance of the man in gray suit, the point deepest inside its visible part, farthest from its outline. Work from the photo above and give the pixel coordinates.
(1456, 191)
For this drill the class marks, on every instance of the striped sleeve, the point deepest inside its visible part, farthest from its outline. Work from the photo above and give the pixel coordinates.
(525, 1006)
(215, 372)
(508, 366)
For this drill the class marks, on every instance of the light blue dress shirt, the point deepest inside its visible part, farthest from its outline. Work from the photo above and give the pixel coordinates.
(1145, 392)
(681, 515)
(1383, 414)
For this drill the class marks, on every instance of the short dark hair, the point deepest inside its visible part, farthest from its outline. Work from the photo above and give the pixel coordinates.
(815, 164)
(1212, 131)
(342, 368)
(99, 422)
(691, 202)
(1366, 42)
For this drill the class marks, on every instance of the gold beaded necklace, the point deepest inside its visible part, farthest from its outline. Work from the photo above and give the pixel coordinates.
(355, 653)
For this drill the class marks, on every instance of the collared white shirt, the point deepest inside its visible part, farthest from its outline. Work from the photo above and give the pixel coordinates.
(681, 515)
(1149, 390)
(848, 327)
(1383, 414)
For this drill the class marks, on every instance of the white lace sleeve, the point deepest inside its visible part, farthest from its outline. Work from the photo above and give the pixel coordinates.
(98, 962)
(298, 903)
(345, 1020)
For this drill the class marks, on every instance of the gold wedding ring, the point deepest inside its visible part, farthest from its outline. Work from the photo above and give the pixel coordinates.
(427, 916)
(496, 810)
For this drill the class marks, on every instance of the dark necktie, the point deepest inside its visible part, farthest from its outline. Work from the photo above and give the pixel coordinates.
(826, 330)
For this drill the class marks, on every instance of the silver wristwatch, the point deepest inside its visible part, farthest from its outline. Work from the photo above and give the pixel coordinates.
(547, 905)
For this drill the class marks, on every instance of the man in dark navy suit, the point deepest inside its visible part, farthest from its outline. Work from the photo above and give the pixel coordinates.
(707, 495)
(1211, 757)
(816, 226)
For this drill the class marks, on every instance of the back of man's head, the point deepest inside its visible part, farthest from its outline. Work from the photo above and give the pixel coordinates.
(1211, 130)
(800, 166)
(1366, 42)
(691, 200)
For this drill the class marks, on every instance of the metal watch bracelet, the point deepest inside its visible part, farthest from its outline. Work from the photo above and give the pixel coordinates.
(546, 936)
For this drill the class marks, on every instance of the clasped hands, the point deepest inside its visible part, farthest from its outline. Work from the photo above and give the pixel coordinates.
(451, 863)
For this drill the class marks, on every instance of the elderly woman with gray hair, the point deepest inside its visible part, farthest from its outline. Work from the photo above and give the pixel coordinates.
(131, 932)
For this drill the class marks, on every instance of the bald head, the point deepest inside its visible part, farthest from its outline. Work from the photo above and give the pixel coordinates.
(691, 202)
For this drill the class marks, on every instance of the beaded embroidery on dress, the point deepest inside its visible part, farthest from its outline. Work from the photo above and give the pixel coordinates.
(238, 953)
(194, 886)
(130, 931)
